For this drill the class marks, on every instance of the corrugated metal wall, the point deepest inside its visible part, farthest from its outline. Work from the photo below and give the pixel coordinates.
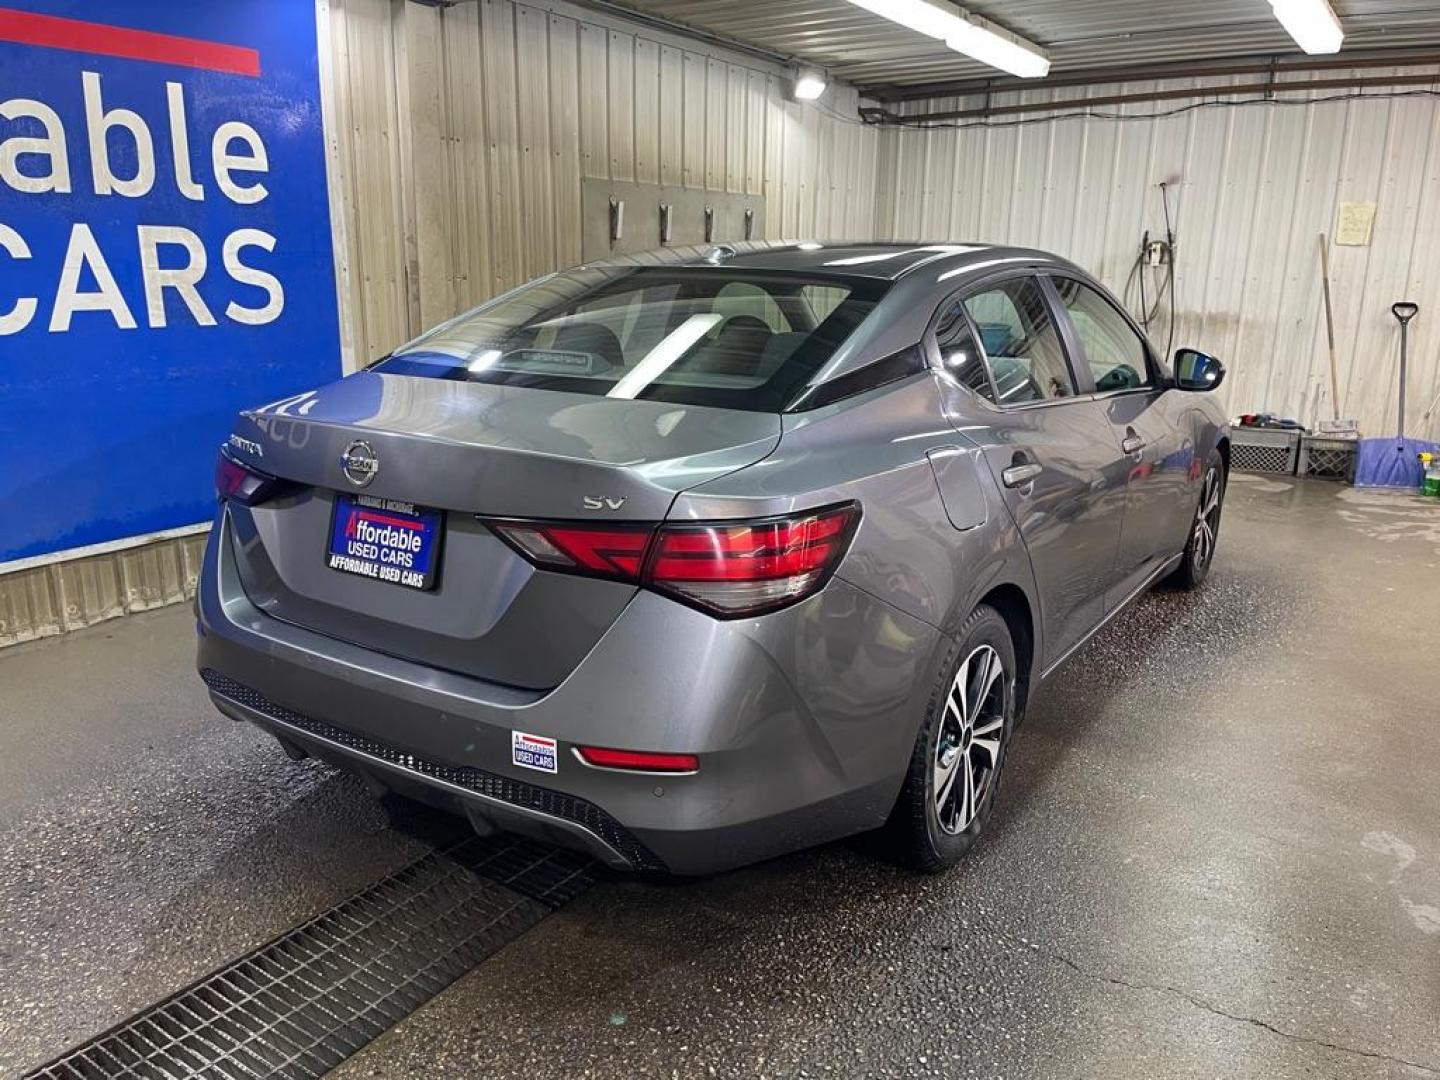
(63, 596)
(465, 133)
(1257, 184)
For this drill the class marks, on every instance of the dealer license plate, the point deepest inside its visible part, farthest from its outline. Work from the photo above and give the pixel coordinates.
(387, 540)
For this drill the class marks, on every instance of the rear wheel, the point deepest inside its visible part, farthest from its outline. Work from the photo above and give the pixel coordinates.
(1194, 567)
(960, 751)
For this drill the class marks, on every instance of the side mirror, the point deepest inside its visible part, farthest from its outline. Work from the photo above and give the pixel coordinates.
(1194, 370)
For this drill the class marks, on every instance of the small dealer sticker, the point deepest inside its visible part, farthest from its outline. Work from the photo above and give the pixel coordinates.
(532, 752)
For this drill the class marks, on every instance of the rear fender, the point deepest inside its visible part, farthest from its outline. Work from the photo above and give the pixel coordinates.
(906, 551)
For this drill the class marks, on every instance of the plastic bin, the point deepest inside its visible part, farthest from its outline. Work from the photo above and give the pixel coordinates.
(1327, 457)
(1265, 450)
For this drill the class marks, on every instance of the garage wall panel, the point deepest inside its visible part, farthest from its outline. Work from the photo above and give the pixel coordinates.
(1252, 187)
(363, 41)
(41, 601)
(466, 131)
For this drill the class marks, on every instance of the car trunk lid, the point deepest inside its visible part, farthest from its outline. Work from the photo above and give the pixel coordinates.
(472, 451)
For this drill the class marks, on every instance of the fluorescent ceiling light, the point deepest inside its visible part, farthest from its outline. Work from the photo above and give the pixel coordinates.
(1311, 23)
(977, 38)
(990, 44)
(809, 84)
(919, 15)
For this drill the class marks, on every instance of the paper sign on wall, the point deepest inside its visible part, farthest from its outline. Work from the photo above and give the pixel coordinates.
(1353, 225)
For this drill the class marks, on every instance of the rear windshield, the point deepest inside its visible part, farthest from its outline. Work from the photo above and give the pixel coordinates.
(697, 336)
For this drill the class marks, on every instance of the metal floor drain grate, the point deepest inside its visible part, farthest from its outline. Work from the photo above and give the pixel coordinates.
(302, 1004)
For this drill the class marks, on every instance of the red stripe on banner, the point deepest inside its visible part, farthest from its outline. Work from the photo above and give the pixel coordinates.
(53, 32)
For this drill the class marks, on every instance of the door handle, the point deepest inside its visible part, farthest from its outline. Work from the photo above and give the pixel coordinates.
(1020, 475)
(1132, 444)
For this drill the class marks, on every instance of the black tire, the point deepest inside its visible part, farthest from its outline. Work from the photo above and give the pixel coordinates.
(918, 835)
(1199, 554)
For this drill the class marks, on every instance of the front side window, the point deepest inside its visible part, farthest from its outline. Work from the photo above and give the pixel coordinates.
(699, 336)
(1115, 352)
(1026, 358)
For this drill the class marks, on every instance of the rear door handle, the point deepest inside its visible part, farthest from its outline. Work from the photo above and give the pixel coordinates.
(1132, 444)
(1020, 475)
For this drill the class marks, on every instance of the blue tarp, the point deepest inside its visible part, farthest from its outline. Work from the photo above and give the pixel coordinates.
(1391, 462)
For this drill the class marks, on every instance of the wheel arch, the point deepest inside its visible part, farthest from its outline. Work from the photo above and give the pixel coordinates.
(1014, 607)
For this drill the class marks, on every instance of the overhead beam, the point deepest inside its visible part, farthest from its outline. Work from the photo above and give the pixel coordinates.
(1258, 65)
(1269, 87)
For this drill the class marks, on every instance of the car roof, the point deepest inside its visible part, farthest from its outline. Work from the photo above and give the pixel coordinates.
(884, 260)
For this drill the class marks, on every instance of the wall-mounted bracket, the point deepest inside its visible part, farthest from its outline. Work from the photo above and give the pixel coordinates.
(617, 220)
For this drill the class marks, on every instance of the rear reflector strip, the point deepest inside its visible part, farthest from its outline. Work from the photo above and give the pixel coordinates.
(639, 760)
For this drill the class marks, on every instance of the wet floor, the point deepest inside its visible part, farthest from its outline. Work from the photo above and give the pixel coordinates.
(1217, 852)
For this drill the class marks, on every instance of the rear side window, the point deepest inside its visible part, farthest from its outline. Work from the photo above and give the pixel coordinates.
(1115, 352)
(699, 336)
(959, 353)
(822, 300)
(1026, 358)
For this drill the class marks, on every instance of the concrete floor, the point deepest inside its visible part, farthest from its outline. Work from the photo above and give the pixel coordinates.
(1217, 852)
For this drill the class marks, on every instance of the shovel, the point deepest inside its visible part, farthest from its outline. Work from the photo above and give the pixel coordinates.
(1404, 311)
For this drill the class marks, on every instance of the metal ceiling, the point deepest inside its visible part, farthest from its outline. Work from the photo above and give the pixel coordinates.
(888, 60)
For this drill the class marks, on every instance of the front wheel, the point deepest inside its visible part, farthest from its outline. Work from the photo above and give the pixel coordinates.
(1194, 566)
(960, 751)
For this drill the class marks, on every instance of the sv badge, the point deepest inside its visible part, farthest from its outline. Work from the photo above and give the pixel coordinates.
(599, 502)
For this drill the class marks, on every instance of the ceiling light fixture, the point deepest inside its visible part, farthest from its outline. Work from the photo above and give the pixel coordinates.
(982, 40)
(976, 37)
(919, 15)
(809, 84)
(1312, 23)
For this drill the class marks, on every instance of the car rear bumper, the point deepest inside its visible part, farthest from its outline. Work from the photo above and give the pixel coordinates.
(803, 721)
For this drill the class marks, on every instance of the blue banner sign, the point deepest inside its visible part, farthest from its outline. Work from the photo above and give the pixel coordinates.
(165, 253)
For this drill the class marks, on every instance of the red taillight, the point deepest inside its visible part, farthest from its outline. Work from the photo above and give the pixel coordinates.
(604, 551)
(230, 477)
(242, 483)
(639, 760)
(743, 568)
(729, 568)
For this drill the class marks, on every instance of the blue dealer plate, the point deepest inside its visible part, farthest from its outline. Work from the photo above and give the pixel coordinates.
(386, 540)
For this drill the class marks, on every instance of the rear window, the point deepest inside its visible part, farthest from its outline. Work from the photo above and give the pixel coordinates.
(724, 338)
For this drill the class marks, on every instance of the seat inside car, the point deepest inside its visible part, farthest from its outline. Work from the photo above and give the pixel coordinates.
(738, 347)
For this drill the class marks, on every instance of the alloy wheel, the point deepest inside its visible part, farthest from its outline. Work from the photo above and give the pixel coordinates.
(1207, 518)
(968, 746)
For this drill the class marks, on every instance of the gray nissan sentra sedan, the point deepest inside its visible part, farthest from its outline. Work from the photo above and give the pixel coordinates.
(692, 559)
